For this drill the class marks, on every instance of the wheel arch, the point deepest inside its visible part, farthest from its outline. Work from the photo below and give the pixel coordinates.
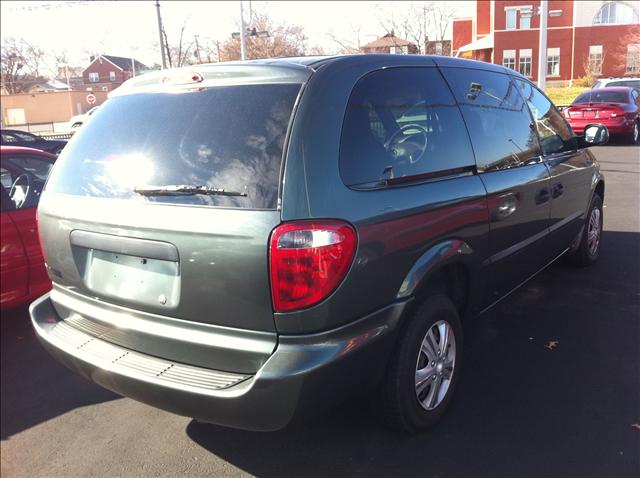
(445, 267)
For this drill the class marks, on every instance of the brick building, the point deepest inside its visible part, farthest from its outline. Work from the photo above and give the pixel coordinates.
(597, 37)
(107, 72)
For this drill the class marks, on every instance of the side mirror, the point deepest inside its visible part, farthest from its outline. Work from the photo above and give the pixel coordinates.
(594, 135)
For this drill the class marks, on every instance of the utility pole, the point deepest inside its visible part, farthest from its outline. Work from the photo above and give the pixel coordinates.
(133, 67)
(542, 45)
(243, 47)
(164, 61)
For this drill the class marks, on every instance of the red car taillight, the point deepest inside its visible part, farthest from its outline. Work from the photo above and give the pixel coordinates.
(308, 260)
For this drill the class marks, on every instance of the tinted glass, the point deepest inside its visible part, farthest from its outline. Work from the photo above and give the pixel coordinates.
(554, 132)
(37, 166)
(602, 96)
(22, 185)
(26, 137)
(402, 123)
(629, 83)
(228, 137)
(498, 120)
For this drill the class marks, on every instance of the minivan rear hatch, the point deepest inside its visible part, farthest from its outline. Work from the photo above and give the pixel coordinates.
(165, 201)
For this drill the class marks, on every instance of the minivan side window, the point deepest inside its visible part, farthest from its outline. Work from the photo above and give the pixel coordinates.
(497, 118)
(555, 133)
(402, 124)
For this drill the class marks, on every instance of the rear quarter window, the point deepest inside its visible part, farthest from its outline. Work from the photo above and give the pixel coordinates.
(402, 123)
(499, 122)
(226, 137)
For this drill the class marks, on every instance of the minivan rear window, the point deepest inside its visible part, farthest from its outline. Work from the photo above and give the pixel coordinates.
(224, 137)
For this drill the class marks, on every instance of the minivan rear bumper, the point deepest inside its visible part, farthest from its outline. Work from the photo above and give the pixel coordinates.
(305, 372)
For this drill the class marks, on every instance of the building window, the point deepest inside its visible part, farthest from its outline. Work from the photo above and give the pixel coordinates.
(615, 13)
(553, 61)
(512, 15)
(633, 58)
(439, 48)
(525, 21)
(94, 77)
(112, 76)
(525, 62)
(509, 59)
(595, 60)
(400, 50)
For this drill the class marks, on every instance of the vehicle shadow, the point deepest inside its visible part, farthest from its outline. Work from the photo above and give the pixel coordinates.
(550, 387)
(35, 387)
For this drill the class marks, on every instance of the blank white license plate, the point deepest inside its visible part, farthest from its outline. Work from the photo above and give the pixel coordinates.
(131, 278)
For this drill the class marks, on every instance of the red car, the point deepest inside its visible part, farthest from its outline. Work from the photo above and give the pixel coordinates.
(616, 107)
(23, 172)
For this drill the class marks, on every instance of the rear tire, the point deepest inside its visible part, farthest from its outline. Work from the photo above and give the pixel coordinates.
(421, 377)
(587, 251)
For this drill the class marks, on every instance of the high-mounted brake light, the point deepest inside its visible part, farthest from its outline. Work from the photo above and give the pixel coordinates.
(308, 260)
(182, 77)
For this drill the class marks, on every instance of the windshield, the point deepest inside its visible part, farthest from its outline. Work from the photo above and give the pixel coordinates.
(225, 137)
(602, 96)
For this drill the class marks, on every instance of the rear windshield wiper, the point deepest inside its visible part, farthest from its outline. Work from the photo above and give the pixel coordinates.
(185, 190)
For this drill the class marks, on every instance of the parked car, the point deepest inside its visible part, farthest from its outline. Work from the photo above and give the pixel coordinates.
(14, 137)
(23, 172)
(79, 120)
(631, 82)
(618, 108)
(284, 234)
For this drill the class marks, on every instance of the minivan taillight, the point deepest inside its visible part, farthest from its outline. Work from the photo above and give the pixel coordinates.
(308, 260)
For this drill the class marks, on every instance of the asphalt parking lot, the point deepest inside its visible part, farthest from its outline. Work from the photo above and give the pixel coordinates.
(551, 387)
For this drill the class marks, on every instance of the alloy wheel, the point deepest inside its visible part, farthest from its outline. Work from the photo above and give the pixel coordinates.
(435, 365)
(594, 231)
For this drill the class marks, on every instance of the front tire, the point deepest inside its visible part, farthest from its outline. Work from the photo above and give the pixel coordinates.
(423, 372)
(587, 251)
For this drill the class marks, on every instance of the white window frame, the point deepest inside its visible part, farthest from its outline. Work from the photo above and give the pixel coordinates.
(553, 61)
(633, 58)
(525, 54)
(514, 24)
(509, 59)
(595, 60)
(525, 22)
(112, 76)
(94, 77)
(616, 13)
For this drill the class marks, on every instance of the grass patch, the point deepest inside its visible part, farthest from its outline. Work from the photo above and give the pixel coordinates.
(565, 95)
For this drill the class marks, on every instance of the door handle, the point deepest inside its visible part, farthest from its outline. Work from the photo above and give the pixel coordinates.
(542, 196)
(558, 190)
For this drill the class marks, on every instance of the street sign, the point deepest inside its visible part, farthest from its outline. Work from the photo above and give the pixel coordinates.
(91, 99)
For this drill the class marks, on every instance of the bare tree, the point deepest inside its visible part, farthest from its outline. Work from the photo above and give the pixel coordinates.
(409, 24)
(441, 15)
(283, 40)
(418, 22)
(20, 65)
(178, 53)
(347, 45)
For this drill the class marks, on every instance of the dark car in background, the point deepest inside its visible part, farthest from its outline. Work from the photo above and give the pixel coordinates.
(245, 243)
(616, 107)
(14, 137)
(23, 172)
